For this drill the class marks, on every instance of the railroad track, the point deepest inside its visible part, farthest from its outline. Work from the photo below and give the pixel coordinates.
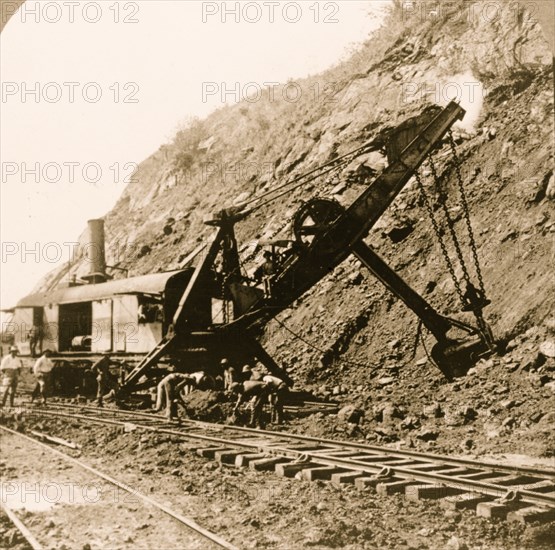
(200, 534)
(20, 526)
(500, 491)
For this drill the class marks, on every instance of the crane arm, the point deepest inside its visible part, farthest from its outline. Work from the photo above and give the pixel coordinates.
(409, 145)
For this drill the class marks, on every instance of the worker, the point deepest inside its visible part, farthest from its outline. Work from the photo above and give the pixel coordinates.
(246, 373)
(42, 369)
(276, 397)
(168, 392)
(10, 368)
(266, 272)
(104, 379)
(141, 314)
(256, 393)
(230, 375)
(34, 339)
(202, 380)
(158, 315)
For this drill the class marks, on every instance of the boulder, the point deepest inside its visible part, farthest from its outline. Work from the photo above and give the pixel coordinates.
(548, 418)
(350, 414)
(390, 412)
(410, 423)
(433, 411)
(427, 434)
(547, 348)
(467, 444)
(550, 189)
(356, 278)
(400, 231)
(459, 416)
(454, 543)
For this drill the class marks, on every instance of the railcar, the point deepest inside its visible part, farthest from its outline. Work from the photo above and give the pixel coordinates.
(126, 316)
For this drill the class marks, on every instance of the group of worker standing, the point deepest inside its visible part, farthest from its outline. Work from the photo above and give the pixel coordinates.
(12, 366)
(10, 371)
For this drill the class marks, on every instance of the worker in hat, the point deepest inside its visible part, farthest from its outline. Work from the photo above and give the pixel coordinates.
(169, 392)
(276, 397)
(104, 379)
(254, 392)
(198, 380)
(266, 272)
(10, 368)
(246, 373)
(42, 369)
(34, 339)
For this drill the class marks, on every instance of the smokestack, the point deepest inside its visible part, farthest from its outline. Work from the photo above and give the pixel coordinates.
(94, 253)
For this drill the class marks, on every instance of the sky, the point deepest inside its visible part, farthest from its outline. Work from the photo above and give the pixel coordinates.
(90, 89)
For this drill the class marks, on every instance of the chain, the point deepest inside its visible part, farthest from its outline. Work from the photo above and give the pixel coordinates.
(245, 260)
(224, 301)
(334, 175)
(332, 172)
(484, 329)
(439, 235)
(466, 212)
(320, 350)
(450, 224)
(305, 179)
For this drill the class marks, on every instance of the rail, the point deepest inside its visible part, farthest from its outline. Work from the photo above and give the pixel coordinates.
(390, 467)
(191, 524)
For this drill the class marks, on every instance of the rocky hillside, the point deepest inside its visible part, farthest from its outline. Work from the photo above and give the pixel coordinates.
(358, 341)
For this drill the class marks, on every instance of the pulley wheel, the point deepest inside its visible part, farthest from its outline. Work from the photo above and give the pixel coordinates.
(314, 218)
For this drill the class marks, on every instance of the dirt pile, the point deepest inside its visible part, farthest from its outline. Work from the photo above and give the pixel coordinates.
(210, 406)
(504, 405)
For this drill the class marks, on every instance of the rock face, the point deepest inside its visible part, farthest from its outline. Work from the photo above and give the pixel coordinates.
(503, 66)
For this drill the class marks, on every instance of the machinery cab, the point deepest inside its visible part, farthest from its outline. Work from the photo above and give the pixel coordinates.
(121, 316)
